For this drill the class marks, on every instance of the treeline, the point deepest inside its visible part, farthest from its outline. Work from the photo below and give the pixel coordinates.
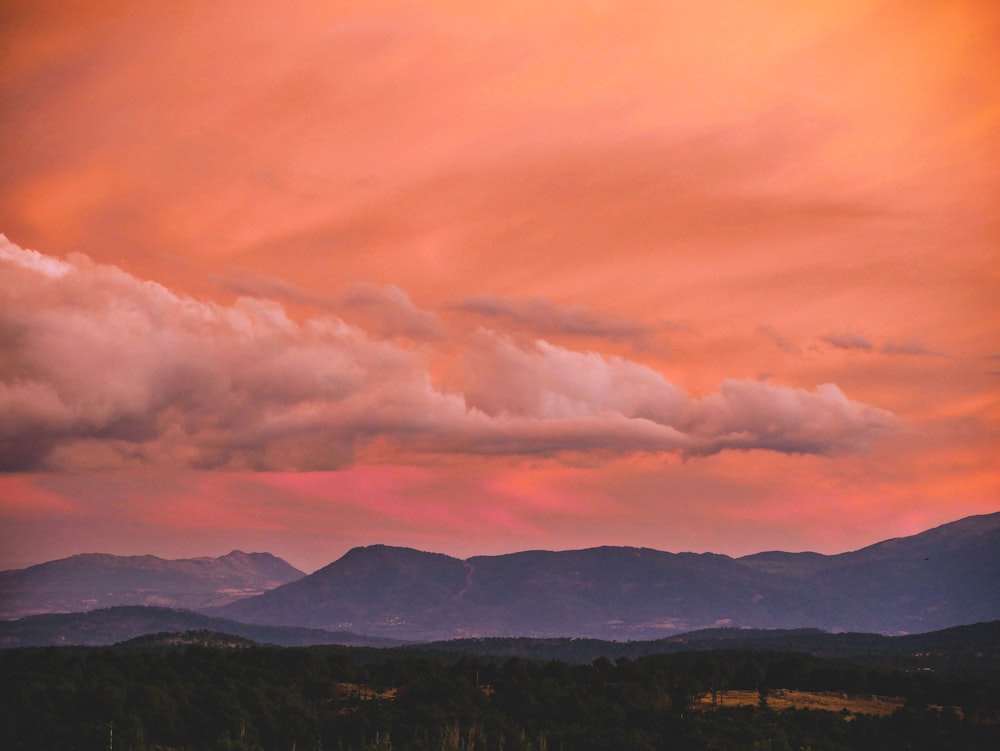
(974, 647)
(284, 699)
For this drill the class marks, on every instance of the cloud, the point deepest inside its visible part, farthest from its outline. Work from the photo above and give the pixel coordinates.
(102, 369)
(32, 260)
(247, 284)
(912, 346)
(847, 341)
(387, 311)
(782, 342)
(756, 415)
(544, 317)
(554, 399)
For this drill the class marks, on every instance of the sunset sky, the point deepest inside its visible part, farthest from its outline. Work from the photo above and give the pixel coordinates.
(485, 277)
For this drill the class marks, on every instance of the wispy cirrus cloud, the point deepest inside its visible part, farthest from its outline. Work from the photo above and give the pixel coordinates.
(102, 369)
(246, 284)
(782, 342)
(389, 310)
(386, 310)
(847, 340)
(545, 317)
(913, 346)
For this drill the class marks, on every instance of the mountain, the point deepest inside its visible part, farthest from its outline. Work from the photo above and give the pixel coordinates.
(943, 577)
(113, 625)
(91, 581)
(940, 578)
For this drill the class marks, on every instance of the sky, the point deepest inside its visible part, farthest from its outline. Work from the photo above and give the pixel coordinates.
(485, 277)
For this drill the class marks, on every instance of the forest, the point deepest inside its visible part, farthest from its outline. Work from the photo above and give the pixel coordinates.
(256, 698)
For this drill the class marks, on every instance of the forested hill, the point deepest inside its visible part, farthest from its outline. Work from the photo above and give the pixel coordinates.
(946, 649)
(111, 625)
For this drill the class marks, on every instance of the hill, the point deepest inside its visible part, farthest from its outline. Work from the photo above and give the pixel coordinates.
(957, 648)
(113, 625)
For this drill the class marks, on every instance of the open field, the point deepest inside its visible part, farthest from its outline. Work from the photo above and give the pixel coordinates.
(364, 692)
(831, 701)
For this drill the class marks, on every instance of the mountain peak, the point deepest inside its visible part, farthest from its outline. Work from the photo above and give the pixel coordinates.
(379, 554)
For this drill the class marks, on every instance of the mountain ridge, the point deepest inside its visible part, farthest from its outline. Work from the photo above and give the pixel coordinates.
(938, 578)
(89, 581)
(941, 577)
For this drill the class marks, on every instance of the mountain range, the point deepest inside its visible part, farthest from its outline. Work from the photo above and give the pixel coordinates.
(94, 580)
(940, 578)
(944, 577)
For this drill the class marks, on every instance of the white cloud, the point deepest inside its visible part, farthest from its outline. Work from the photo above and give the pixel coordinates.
(31, 259)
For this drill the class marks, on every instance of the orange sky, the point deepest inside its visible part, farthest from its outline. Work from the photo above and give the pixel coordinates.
(695, 276)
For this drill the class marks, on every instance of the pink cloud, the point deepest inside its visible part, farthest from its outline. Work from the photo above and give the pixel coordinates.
(912, 346)
(546, 318)
(847, 341)
(105, 370)
(22, 498)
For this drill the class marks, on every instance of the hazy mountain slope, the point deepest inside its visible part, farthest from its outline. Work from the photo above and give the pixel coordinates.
(611, 593)
(623, 593)
(374, 590)
(113, 625)
(943, 577)
(90, 581)
(940, 578)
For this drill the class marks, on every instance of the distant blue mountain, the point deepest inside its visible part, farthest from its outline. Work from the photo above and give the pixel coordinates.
(944, 577)
(92, 581)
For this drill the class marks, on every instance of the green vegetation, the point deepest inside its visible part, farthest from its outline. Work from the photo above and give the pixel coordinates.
(195, 698)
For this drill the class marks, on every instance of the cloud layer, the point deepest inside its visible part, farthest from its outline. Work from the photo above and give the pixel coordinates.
(102, 369)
